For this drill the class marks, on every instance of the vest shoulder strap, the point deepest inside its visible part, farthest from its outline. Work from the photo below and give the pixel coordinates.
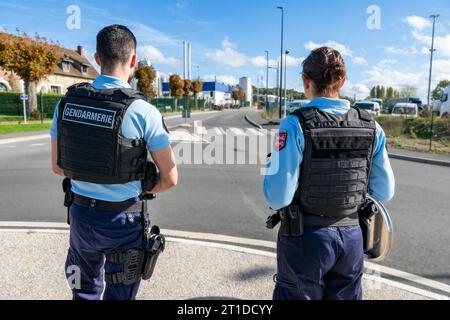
(120, 95)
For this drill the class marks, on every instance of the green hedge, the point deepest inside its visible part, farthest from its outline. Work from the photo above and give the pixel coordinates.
(162, 103)
(415, 127)
(11, 105)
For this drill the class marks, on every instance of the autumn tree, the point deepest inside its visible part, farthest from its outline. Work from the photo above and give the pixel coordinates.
(439, 90)
(239, 95)
(32, 59)
(197, 87)
(176, 85)
(146, 76)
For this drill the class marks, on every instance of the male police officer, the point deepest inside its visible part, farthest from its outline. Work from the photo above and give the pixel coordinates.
(100, 137)
(327, 157)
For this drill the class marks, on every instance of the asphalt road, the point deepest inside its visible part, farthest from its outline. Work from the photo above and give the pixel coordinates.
(227, 199)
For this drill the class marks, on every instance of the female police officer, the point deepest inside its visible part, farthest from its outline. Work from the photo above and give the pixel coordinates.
(326, 158)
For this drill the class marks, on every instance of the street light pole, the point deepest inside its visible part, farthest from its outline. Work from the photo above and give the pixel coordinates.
(432, 50)
(267, 81)
(285, 84)
(280, 91)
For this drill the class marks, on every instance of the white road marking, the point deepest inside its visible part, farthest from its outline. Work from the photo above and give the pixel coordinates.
(220, 131)
(8, 147)
(255, 132)
(206, 239)
(37, 145)
(237, 132)
(23, 139)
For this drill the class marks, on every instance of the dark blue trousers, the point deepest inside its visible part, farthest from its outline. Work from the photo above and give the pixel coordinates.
(323, 264)
(92, 235)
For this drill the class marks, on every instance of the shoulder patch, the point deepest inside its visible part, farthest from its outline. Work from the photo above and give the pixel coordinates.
(280, 141)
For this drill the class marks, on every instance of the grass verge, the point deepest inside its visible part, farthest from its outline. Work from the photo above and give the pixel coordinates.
(16, 128)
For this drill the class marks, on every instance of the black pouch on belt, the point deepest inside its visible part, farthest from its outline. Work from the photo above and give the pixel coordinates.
(292, 224)
(150, 180)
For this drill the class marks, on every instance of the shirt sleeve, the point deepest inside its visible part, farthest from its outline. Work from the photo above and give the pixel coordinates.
(381, 181)
(283, 168)
(54, 127)
(155, 132)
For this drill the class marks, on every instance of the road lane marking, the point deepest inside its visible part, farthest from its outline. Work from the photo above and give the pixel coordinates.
(255, 132)
(233, 243)
(237, 132)
(24, 139)
(34, 145)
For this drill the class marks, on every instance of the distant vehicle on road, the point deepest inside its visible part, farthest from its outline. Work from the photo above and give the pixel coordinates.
(372, 107)
(295, 105)
(392, 102)
(379, 101)
(405, 110)
(445, 106)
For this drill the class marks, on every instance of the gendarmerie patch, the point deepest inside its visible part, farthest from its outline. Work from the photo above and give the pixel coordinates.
(89, 116)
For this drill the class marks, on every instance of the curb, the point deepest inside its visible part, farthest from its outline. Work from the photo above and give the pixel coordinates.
(434, 162)
(253, 123)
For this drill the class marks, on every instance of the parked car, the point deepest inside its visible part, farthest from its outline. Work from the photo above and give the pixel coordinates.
(445, 106)
(372, 107)
(295, 105)
(392, 102)
(405, 110)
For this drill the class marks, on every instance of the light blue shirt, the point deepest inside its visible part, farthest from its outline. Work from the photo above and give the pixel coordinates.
(142, 120)
(283, 169)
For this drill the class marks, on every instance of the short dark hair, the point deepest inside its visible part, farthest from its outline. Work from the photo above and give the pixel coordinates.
(115, 44)
(326, 68)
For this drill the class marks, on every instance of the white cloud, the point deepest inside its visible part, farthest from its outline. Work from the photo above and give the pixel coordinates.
(228, 55)
(442, 43)
(361, 91)
(408, 51)
(2, 29)
(156, 56)
(227, 79)
(418, 23)
(146, 34)
(343, 49)
(386, 63)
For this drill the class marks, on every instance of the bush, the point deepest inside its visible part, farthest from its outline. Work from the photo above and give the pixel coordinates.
(414, 127)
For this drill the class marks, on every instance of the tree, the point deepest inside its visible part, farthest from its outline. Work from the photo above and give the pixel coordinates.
(187, 92)
(439, 90)
(197, 87)
(32, 59)
(239, 95)
(176, 85)
(408, 92)
(373, 92)
(146, 76)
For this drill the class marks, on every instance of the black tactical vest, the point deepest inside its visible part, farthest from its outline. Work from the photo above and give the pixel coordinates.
(91, 147)
(336, 162)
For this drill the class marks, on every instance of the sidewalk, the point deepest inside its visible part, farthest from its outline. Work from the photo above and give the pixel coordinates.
(32, 267)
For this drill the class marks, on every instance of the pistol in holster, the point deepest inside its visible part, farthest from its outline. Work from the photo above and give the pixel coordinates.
(366, 213)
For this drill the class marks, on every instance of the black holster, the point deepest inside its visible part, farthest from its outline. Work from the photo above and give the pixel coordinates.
(68, 196)
(292, 224)
(366, 213)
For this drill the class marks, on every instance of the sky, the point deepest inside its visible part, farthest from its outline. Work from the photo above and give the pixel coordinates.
(384, 42)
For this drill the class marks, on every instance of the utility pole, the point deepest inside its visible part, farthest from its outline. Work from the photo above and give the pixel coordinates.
(285, 84)
(267, 81)
(432, 50)
(280, 91)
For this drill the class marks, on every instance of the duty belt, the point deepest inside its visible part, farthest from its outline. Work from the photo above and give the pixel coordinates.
(99, 205)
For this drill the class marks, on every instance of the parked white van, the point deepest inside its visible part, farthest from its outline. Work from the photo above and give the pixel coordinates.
(372, 107)
(445, 106)
(405, 110)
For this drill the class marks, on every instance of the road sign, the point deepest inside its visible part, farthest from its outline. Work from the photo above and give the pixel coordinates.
(24, 97)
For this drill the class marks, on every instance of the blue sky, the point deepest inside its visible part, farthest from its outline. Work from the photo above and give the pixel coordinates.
(229, 37)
